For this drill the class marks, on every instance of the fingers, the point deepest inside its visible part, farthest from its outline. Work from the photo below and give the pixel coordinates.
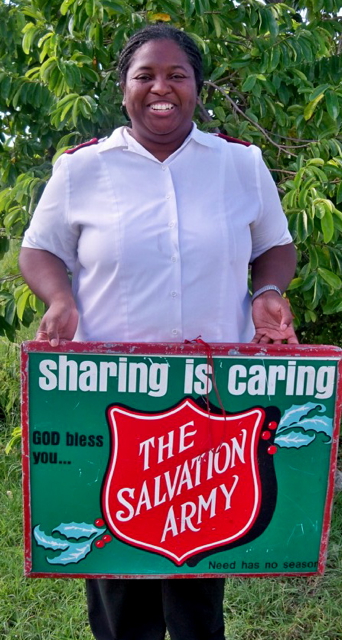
(58, 323)
(293, 339)
(45, 334)
(273, 321)
(270, 335)
(260, 338)
(286, 318)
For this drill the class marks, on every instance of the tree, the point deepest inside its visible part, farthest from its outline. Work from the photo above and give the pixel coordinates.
(274, 78)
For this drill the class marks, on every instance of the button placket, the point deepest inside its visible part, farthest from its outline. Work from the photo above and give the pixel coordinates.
(175, 273)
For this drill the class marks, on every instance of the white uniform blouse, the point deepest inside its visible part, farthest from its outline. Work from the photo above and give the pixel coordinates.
(159, 251)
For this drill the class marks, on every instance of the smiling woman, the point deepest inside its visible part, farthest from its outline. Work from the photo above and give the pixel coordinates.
(160, 79)
(158, 225)
(160, 97)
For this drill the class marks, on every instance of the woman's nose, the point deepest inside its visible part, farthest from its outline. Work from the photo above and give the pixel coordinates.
(161, 85)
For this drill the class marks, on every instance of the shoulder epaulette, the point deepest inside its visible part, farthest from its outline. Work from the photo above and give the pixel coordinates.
(84, 144)
(236, 140)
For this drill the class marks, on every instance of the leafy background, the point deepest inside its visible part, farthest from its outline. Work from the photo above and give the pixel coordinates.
(273, 74)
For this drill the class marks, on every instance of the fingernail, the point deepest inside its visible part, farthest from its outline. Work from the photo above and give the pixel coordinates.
(54, 342)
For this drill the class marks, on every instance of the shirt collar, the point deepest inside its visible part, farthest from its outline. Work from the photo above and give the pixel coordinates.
(205, 139)
(115, 140)
(118, 139)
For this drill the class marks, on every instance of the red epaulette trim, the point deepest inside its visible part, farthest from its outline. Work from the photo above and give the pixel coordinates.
(229, 139)
(84, 144)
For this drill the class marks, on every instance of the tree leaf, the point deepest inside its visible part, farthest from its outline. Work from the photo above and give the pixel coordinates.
(330, 278)
(220, 113)
(327, 225)
(217, 25)
(339, 193)
(219, 71)
(22, 302)
(333, 105)
(249, 82)
(311, 106)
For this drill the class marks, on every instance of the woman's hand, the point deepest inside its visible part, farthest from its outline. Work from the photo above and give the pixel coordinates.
(272, 319)
(59, 322)
(48, 278)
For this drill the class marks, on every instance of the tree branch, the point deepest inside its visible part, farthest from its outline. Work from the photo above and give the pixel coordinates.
(10, 278)
(281, 148)
(204, 115)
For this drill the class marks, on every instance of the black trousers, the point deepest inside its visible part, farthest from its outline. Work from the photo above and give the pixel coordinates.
(190, 609)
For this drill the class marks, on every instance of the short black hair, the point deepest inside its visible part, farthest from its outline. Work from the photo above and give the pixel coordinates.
(161, 31)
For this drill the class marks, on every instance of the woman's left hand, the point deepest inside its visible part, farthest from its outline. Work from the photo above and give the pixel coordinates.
(272, 319)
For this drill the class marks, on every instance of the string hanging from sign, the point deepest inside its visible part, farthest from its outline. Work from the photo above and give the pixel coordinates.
(210, 362)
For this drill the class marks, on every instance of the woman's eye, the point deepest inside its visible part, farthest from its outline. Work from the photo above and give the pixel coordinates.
(143, 77)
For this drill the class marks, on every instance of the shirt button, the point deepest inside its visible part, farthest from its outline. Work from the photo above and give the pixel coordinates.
(163, 168)
(168, 196)
(173, 259)
(174, 332)
(171, 224)
(174, 294)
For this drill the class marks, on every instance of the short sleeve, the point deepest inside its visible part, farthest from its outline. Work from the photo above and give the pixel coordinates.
(50, 229)
(270, 229)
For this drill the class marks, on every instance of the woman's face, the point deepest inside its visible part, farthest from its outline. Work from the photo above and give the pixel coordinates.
(160, 95)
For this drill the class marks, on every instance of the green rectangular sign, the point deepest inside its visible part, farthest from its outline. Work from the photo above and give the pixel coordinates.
(178, 460)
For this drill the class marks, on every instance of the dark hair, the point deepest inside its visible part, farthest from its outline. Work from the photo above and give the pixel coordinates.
(161, 32)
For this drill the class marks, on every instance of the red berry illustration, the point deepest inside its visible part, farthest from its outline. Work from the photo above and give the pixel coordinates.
(266, 435)
(272, 425)
(99, 544)
(272, 449)
(107, 538)
(99, 522)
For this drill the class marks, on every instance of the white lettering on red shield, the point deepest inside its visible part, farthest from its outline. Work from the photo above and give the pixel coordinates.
(182, 481)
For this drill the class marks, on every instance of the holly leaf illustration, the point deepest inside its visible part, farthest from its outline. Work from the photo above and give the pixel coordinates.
(295, 414)
(321, 424)
(72, 552)
(76, 552)
(304, 418)
(78, 530)
(294, 439)
(48, 542)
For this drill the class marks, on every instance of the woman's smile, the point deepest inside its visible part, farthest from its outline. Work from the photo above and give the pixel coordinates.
(162, 107)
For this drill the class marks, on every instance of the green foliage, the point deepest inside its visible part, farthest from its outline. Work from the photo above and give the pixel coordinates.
(274, 78)
(9, 384)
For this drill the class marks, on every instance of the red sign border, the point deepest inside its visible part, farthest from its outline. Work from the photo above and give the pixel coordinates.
(169, 349)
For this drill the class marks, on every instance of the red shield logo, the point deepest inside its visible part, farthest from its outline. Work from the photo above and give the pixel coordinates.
(184, 481)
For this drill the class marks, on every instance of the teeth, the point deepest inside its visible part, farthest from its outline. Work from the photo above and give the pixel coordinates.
(162, 107)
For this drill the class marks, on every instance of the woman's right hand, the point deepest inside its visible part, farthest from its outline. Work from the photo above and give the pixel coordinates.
(47, 276)
(59, 322)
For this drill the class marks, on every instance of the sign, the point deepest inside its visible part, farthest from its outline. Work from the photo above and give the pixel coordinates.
(178, 460)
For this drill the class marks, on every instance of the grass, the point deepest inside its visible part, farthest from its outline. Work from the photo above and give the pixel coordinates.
(55, 609)
(48, 609)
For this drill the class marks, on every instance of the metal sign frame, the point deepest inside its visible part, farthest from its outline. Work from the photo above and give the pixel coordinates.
(185, 454)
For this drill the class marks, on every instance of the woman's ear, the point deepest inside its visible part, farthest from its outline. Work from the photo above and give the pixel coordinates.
(122, 87)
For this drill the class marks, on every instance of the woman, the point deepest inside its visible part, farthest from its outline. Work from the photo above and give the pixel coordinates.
(158, 225)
